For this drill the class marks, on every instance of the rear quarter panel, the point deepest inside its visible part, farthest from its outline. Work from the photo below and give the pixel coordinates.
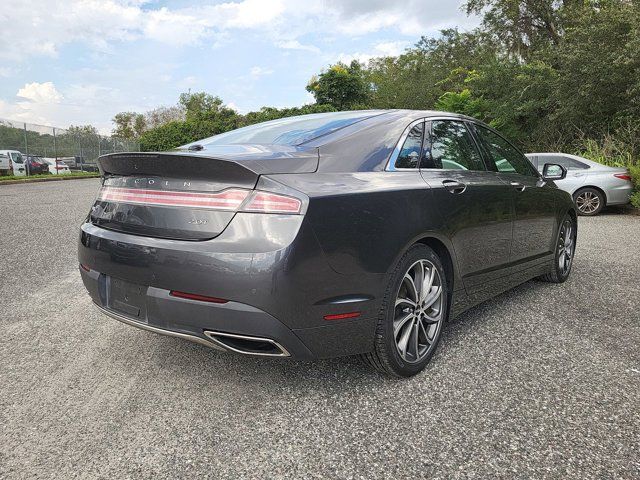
(365, 221)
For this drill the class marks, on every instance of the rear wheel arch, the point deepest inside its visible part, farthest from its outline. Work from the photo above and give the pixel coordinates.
(445, 257)
(583, 187)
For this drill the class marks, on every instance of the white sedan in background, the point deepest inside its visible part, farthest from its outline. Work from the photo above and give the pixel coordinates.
(591, 184)
(57, 167)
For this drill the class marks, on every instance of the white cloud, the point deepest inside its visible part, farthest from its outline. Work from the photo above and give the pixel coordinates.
(260, 71)
(6, 71)
(137, 54)
(296, 45)
(390, 49)
(382, 49)
(40, 92)
(99, 23)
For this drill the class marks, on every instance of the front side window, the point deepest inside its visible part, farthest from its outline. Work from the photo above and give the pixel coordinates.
(16, 157)
(452, 148)
(410, 151)
(504, 156)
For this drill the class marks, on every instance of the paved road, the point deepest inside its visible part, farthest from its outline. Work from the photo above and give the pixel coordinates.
(543, 381)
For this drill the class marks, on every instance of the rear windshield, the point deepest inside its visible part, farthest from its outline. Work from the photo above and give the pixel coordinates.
(289, 131)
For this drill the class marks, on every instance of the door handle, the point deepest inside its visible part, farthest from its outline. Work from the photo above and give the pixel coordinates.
(518, 186)
(454, 186)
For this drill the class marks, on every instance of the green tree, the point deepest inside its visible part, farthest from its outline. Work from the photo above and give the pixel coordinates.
(341, 86)
(522, 26)
(463, 102)
(128, 125)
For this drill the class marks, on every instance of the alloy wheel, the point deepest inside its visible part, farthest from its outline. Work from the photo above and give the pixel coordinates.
(587, 202)
(566, 244)
(418, 311)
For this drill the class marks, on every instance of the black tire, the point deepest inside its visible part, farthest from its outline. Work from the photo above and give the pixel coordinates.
(589, 201)
(386, 356)
(558, 274)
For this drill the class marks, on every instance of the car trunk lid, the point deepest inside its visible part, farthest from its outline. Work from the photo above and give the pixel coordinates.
(185, 195)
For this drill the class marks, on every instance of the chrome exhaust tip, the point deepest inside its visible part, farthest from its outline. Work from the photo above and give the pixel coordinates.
(246, 345)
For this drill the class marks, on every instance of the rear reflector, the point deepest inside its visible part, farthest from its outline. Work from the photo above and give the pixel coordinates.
(342, 316)
(195, 296)
(229, 199)
(266, 202)
(623, 176)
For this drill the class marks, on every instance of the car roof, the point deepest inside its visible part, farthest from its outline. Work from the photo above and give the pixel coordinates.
(361, 145)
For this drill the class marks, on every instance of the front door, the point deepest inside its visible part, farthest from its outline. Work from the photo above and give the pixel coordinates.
(534, 200)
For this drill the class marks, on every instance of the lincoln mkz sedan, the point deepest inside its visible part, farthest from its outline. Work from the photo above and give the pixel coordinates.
(324, 235)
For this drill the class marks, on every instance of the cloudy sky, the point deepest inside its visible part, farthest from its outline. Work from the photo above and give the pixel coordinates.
(81, 61)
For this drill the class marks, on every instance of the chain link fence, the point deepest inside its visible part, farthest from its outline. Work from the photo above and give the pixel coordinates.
(76, 147)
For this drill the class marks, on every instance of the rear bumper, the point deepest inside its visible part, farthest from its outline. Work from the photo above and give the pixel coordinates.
(194, 320)
(279, 293)
(619, 195)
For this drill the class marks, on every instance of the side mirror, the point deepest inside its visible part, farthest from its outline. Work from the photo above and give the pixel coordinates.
(553, 171)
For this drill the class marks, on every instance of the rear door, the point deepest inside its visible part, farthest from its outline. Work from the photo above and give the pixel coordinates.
(534, 200)
(476, 206)
(18, 163)
(4, 162)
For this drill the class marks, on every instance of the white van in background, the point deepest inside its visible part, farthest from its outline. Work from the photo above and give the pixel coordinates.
(17, 161)
(5, 165)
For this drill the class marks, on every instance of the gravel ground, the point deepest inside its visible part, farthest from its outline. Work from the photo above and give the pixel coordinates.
(541, 382)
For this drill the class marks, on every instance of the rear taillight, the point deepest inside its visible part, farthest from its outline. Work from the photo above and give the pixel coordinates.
(623, 176)
(230, 199)
(266, 202)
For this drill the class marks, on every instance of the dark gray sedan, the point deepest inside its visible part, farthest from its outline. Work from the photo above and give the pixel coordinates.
(324, 235)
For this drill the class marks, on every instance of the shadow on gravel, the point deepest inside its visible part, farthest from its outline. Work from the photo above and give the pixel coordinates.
(200, 367)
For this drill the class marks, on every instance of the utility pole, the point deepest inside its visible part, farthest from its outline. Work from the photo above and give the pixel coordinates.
(26, 150)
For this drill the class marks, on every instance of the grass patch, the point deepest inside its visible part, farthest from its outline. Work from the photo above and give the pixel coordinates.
(48, 176)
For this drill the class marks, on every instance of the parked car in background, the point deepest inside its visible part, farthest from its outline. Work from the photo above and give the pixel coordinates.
(5, 164)
(36, 165)
(57, 167)
(17, 162)
(591, 184)
(80, 164)
(324, 235)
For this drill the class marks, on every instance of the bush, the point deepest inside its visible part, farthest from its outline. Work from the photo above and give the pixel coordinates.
(634, 170)
(615, 153)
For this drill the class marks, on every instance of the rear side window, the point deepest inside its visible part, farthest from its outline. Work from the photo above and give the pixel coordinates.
(452, 148)
(504, 156)
(411, 149)
(567, 162)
